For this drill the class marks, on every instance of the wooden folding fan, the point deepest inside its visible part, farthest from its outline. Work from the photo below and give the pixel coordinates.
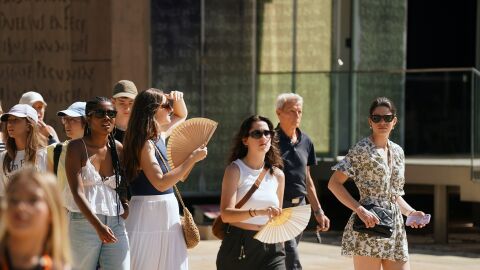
(187, 137)
(286, 226)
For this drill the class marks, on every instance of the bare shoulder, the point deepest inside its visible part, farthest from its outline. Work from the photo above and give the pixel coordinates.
(277, 172)
(147, 146)
(76, 145)
(76, 152)
(119, 145)
(232, 169)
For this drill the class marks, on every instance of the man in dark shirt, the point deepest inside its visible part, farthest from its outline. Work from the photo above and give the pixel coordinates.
(124, 93)
(298, 155)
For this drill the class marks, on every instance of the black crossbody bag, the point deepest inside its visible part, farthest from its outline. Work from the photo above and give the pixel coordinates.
(387, 221)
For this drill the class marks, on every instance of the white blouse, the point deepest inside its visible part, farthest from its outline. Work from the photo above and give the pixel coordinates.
(100, 192)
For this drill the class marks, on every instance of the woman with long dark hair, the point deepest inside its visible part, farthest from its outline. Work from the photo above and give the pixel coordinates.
(97, 212)
(377, 166)
(22, 143)
(154, 228)
(255, 148)
(2, 143)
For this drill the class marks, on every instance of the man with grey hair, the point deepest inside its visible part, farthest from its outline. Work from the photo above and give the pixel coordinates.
(298, 155)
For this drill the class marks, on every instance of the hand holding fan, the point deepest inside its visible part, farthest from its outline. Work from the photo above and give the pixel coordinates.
(187, 137)
(286, 226)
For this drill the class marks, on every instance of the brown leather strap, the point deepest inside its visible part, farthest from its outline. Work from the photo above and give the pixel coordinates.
(252, 189)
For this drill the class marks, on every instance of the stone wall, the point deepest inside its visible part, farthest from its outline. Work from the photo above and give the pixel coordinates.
(69, 50)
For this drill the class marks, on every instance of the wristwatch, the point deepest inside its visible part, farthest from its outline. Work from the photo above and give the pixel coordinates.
(318, 212)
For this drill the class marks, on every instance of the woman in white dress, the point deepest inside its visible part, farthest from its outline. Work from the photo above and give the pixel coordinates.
(154, 228)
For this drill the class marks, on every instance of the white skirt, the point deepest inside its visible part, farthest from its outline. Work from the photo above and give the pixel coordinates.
(155, 233)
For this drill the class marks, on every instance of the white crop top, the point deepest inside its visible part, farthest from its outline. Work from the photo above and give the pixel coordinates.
(264, 196)
(99, 192)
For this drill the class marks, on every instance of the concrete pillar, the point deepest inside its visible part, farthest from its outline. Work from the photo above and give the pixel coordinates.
(440, 215)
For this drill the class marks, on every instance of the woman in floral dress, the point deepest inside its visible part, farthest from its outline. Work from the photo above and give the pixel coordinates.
(377, 167)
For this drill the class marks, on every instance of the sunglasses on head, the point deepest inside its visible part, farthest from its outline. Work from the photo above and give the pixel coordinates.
(377, 118)
(257, 134)
(102, 113)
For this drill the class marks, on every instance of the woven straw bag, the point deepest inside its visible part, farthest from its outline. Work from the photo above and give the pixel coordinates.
(190, 229)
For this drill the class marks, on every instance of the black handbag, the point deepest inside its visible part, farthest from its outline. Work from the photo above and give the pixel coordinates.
(385, 216)
(384, 229)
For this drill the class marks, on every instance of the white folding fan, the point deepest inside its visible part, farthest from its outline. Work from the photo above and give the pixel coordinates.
(187, 137)
(286, 226)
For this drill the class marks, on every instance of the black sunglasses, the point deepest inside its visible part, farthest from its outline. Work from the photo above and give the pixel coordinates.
(102, 113)
(257, 134)
(166, 106)
(377, 118)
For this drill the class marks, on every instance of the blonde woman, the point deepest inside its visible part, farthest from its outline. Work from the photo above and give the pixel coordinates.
(33, 232)
(21, 135)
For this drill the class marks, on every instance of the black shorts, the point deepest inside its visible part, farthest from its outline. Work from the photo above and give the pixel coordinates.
(239, 250)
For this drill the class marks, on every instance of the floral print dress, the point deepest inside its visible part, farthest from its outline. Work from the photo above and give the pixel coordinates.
(377, 183)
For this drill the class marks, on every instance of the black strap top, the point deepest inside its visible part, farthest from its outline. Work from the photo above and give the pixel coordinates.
(141, 186)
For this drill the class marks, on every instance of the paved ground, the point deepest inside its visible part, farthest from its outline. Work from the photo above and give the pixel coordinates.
(324, 256)
(424, 255)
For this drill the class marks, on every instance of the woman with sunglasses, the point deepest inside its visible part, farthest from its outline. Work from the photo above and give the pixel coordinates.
(255, 150)
(377, 166)
(154, 228)
(97, 211)
(22, 142)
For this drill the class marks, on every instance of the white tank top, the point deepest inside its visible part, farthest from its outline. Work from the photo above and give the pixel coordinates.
(264, 196)
(99, 192)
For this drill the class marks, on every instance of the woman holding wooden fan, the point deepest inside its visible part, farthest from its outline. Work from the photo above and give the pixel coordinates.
(255, 158)
(154, 229)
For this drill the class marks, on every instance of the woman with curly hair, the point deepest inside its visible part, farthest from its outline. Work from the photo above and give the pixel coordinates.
(255, 151)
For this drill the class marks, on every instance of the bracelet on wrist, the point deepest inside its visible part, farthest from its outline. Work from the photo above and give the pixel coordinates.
(318, 212)
(250, 212)
(409, 213)
(254, 211)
